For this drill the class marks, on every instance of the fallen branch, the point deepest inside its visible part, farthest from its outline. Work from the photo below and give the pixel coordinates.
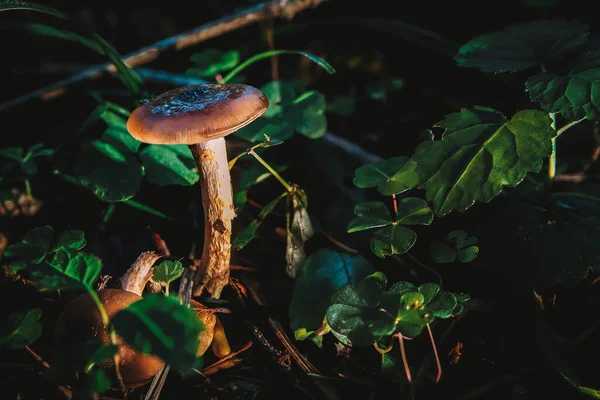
(273, 9)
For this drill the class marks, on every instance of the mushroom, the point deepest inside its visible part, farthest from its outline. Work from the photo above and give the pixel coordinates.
(201, 116)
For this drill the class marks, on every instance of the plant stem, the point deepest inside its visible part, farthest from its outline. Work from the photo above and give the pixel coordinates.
(552, 160)
(567, 126)
(271, 170)
(405, 363)
(28, 188)
(108, 213)
(113, 335)
(435, 352)
(37, 357)
(395, 204)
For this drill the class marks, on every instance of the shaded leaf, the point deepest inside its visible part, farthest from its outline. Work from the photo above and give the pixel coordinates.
(161, 326)
(363, 294)
(246, 235)
(72, 239)
(575, 95)
(299, 229)
(372, 214)
(523, 45)
(395, 239)
(429, 290)
(442, 305)
(8, 5)
(480, 153)
(97, 382)
(21, 329)
(211, 62)
(169, 165)
(320, 276)
(67, 269)
(119, 178)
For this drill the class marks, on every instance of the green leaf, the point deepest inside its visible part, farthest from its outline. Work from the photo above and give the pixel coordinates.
(402, 287)
(67, 269)
(268, 54)
(32, 248)
(441, 252)
(116, 132)
(111, 175)
(21, 329)
(161, 326)
(362, 326)
(97, 382)
(457, 245)
(363, 294)
(413, 211)
(412, 300)
(251, 177)
(341, 105)
(8, 5)
(72, 239)
(169, 165)
(480, 153)
(393, 176)
(280, 95)
(13, 153)
(102, 352)
(372, 214)
(523, 45)
(211, 62)
(442, 305)
(574, 95)
(306, 115)
(246, 235)
(320, 276)
(395, 239)
(167, 271)
(429, 290)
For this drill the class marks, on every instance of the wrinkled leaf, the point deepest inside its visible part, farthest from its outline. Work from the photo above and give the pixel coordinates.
(575, 95)
(480, 153)
(161, 326)
(67, 269)
(320, 276)
(169, 165)
(21, 329)
(523, 45)
(299, 229)
(442, 305)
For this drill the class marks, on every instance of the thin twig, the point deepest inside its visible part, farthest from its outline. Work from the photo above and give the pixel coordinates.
(37, 357)
(264, 11)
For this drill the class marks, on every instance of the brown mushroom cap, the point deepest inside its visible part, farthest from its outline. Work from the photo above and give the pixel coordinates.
(81, 321)
(196, 113)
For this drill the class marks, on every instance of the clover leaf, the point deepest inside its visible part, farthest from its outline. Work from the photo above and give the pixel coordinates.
(392, 237)
(21, 329)
(392, 176)
(457, 245)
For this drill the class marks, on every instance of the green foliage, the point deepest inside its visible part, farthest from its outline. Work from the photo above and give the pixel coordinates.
(321, 274)
(21, 329)
(252, 176)
(288, 112)
(480, 153)
(392, 237)
(109, 166)
(162, 326)
(392, 176)
(246, 235)
(39, 242)
(523, 45)
(167, 271)
(366, 312)
(25, 159)
(574, 95)
(210, 62)
(456, 245)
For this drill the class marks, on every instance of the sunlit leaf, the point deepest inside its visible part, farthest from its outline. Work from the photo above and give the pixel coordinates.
(167, 271)
(161, 326)
(393, 176)
(480, 153)
(67, 269)
(523, 45)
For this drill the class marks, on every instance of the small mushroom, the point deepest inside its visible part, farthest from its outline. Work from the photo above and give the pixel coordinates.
(200, 116)
(81, 321)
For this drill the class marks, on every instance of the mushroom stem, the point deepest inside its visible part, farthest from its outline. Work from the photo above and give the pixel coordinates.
(217, 199)
(140, 272)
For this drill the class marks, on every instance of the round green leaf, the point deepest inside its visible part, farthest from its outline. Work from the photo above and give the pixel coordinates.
(211, 62)
(402, 287)
(391, 176)
(72, 239)
(442, 305)
(161, 326)
(441, 252)
(394, 239)
(468, 254)
(412, 300)
(21, 329)
(320, 276)
(429, 290)
(414, 211)
(412, 322)
(369, 215)
(364, 294)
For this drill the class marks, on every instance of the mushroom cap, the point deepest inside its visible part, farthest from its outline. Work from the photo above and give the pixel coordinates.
(196, 113)
(81, 321)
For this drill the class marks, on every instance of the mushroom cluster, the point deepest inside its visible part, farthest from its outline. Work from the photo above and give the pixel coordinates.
(200, 116)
